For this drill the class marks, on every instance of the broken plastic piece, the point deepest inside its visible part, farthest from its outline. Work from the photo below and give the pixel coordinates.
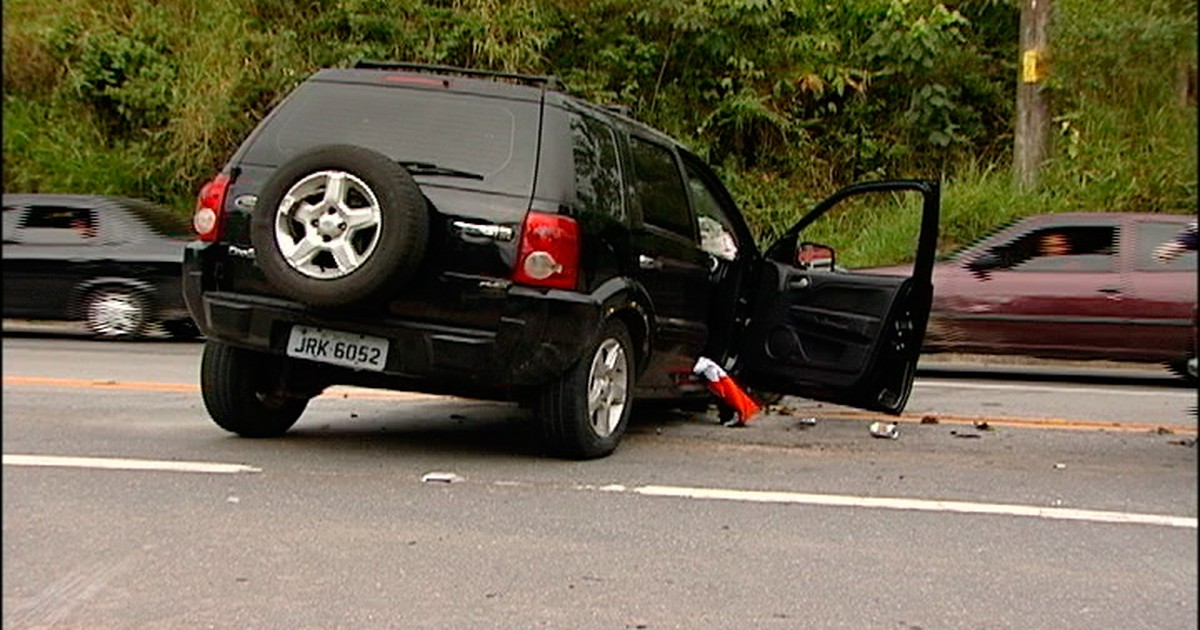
(441, 477)
(887, 430)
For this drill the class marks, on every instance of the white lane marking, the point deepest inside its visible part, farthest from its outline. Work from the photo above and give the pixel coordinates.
(1055, 390)
(127, 464)
(964, 507)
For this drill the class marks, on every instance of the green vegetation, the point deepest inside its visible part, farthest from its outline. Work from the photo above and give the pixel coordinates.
(788, 98)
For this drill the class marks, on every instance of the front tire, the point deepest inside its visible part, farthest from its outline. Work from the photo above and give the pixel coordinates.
(244, 394)
(584, 415)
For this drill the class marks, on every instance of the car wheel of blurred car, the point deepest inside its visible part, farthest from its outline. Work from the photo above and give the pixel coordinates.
(585, 414)
(244, 393)
(116, 313)
(339, 224)
(1184, 368)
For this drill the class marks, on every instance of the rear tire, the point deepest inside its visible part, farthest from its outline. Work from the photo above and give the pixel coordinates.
(244, 393)
(584, 415)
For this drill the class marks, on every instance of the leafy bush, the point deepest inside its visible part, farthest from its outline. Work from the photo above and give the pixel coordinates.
(789, 98)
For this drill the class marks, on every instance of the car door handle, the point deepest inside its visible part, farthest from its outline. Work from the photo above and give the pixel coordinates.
(646, 262)
(801, 283)
(1110, 289)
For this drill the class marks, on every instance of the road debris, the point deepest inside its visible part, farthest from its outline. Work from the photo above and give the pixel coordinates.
(983, 426)
(441, 477)
(1060, 466)
(929, 419)
(887, 430)
(965, 435)
(1164, 431)
(807, 422)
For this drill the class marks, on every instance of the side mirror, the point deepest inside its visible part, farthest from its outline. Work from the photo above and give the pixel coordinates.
(814, 256)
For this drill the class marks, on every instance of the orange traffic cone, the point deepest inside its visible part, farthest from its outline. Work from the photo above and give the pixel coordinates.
(724, 387)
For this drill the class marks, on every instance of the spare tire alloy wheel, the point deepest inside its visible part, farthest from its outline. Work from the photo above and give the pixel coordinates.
(327, 225)
(585, 414)
(339, 225)
(116, 313)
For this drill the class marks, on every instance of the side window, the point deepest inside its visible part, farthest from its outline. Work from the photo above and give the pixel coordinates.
(597, 172)
(717, 235)
(1150, 235)
(54, 225)
(660, 189)
(1063, 248)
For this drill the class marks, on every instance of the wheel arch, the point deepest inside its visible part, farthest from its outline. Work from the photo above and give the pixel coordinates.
(627, 301)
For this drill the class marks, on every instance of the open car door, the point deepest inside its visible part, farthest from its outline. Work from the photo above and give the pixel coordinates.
(823, 332)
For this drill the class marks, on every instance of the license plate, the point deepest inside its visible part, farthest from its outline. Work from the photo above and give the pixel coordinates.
(361, 352)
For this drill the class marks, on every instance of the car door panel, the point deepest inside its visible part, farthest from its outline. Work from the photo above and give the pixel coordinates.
(1161, 295)
(822, 327)
(673, 274)
(841, 336)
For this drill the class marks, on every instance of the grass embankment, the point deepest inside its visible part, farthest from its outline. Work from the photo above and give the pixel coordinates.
(148, 99)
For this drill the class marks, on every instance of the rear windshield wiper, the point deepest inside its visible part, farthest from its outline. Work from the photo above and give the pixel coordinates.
(429, 168)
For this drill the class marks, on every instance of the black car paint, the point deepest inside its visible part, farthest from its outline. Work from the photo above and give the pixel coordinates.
(463, 328)
(50, 280)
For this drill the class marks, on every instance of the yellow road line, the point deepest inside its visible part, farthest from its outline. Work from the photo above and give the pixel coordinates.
(363, 393)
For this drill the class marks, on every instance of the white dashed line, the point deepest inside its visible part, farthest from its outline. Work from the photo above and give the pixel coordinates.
(127, 464)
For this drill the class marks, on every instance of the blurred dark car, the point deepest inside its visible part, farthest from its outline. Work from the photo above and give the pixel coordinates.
(1083, 286)
(113, 262)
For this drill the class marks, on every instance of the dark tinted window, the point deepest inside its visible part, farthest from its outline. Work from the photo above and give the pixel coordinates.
(1061, 248)
(58, 225)
(597, 173)
(1150, 235)
(660, 188)
(491, 137)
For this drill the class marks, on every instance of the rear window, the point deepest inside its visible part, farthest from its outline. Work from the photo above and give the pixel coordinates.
(493, 138)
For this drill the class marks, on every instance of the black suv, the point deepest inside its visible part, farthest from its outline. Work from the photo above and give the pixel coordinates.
(486, 235)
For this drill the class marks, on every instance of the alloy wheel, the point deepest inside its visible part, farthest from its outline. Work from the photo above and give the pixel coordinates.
(607, 387)
(327, 225)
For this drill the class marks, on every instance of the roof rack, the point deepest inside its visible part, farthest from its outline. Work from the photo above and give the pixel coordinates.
(549, 81)
(618, 108)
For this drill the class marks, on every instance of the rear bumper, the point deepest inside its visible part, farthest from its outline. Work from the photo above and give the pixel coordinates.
(538, 337)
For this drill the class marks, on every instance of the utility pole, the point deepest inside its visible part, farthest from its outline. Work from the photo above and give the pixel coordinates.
(1033, 108)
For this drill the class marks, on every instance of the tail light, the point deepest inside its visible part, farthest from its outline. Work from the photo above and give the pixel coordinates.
(210, 209)
(549, 252)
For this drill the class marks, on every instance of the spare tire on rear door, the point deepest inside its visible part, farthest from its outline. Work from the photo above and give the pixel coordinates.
(339, 225)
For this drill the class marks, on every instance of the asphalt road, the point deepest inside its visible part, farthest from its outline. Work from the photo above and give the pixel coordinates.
(1039, 520)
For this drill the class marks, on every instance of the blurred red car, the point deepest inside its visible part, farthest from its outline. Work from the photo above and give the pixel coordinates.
(1070, 286)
